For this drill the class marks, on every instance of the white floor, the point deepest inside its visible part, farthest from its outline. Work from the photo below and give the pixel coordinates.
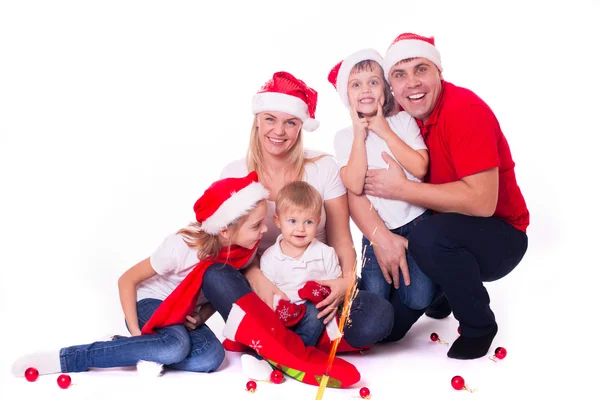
(542, 357)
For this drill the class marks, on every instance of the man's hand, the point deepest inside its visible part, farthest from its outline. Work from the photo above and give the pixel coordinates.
(387, 183)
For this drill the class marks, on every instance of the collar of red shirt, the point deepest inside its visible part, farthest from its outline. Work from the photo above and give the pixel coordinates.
(432, 120)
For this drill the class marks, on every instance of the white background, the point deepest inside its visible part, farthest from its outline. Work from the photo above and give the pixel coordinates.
(116, 115)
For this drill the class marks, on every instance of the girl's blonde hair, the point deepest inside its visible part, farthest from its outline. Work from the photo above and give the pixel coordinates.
(295, 156)
(299, 196)
(389, 104)
(208, 245)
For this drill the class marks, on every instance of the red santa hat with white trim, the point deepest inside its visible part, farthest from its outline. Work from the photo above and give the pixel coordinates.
(410, 45)
(287, 94)
(226, 200)
(340, 74)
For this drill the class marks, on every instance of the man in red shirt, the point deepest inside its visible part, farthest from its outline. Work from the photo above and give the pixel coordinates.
(478, 231)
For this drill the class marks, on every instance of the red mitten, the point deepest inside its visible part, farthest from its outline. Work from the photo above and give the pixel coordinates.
(289, 313)
(314, 292)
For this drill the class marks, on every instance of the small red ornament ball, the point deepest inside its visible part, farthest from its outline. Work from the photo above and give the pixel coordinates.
(365, 393)
(458, 382)
(458, 330)
(64, 381)
(434, 337)
(276, 376)
(251, 386)
(500, 352)
(31, 374)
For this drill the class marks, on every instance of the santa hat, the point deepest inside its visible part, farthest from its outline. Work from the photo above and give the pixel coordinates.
(340, 74)
(410, 45)
(227, 200)
(287, 94)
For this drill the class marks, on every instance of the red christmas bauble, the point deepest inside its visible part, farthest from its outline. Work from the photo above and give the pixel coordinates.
(458, 330)
(251, 386)
(434, 337)
(458, 382)
(500, 352)
(64, 381)
(31, 374)
(365, 393)
(276, 376)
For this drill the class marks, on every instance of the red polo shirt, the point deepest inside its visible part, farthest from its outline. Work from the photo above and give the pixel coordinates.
(464, 138)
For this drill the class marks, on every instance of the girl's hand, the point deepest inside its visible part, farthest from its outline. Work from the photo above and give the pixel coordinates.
(329, 306)
(360, 125)
(136, 332)
(193, 321)
(378, 124)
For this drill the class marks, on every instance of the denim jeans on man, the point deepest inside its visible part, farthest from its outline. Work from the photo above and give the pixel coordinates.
(174, 346)
(419, 294)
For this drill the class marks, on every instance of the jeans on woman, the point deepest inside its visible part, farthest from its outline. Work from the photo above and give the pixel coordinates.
(174, 346)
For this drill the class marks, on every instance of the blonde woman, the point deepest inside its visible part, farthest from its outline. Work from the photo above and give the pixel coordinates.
(283, 108)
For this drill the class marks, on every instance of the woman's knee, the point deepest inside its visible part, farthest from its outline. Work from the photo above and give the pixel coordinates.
(372, 323)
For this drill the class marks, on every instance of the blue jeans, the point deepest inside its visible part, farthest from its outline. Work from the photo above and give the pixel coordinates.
(372, 316)
(310, 328)
(173, 346)
(419, 294)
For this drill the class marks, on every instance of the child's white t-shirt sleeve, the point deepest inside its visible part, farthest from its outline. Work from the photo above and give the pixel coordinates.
(329, 171)
(169, 257)
(342, 145)
(332, 263)
(408, 130)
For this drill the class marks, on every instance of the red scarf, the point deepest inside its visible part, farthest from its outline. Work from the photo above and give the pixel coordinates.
(182, 301)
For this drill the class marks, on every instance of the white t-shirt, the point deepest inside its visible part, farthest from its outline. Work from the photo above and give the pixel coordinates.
(394, 213)
(323, 174)
(318, 262)
(173, 260)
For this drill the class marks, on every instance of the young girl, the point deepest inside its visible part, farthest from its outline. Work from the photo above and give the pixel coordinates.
(160, 293)
(376, 128)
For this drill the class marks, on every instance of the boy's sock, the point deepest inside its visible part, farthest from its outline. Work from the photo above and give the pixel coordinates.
(47, 362)
(469, 348)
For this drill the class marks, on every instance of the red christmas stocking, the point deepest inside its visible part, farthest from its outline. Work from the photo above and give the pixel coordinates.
(236, 347)
(254, 324)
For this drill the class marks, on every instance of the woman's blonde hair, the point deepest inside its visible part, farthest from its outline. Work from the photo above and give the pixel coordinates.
(295, 156)
(299, 196)
(208, 245)
(389, 104)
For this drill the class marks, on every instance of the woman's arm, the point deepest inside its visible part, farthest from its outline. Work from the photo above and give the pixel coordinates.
(338, 237)
(127, 292)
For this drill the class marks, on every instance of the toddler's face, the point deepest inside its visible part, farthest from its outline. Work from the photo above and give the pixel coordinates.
(297, 227)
